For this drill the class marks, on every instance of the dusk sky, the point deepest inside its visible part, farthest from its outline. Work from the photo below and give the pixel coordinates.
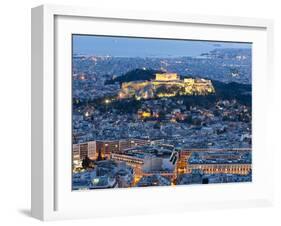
(145, 47)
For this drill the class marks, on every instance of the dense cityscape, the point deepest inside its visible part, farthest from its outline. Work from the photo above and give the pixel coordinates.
(156, 121)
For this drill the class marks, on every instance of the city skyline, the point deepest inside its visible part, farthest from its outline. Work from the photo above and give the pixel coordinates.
(153, 118)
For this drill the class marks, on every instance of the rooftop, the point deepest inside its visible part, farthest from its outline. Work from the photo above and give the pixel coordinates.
(221, 157)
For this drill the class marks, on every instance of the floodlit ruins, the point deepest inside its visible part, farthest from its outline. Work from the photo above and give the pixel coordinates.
(165, 85)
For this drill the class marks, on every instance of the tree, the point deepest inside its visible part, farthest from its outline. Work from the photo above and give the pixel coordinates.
(161, 115)
(188, 119)
(196, 121)
(99, 156)
(86, 162)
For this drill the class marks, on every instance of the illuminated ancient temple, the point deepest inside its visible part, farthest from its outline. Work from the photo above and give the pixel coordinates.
(165, 85)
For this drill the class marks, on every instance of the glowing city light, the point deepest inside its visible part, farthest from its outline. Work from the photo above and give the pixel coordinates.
(96, 180)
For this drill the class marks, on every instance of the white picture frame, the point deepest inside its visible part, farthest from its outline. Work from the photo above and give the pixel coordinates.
(51, 197)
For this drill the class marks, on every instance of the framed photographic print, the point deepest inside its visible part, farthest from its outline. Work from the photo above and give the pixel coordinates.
(138, 112)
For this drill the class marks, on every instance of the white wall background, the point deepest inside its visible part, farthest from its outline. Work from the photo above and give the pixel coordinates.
(15, 111)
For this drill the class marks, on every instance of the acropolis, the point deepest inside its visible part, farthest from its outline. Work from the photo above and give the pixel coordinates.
(165, 85)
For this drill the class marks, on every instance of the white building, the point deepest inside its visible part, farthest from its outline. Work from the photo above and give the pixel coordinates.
(152, 164)
(80, 151)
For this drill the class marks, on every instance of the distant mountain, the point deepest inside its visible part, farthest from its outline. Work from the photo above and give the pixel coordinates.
(230, 53)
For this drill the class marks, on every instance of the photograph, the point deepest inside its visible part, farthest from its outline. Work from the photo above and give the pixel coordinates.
(160, 112)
